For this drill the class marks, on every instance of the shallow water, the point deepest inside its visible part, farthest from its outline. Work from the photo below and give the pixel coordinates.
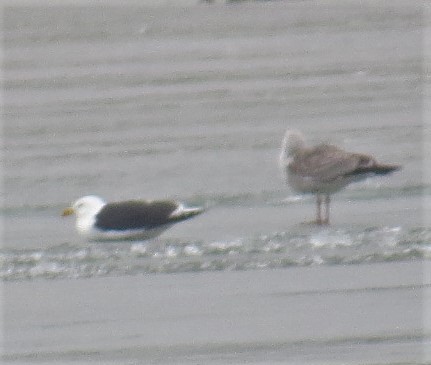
(355, 314)
(191, 103)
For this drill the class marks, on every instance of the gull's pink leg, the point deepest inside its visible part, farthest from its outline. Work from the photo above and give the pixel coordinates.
(319, 209)
(327, 202)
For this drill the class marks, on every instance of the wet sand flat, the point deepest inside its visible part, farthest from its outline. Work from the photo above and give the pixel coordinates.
(342, 314)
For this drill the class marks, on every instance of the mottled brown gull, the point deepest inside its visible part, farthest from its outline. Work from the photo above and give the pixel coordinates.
(324, 169)
(127, 220)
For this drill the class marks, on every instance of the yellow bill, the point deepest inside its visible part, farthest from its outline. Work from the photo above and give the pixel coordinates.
(67, 211)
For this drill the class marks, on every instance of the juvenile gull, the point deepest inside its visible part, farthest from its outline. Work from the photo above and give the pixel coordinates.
(127, 220)
(324, 169)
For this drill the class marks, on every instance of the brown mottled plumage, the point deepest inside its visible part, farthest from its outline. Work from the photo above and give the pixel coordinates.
(324, 169)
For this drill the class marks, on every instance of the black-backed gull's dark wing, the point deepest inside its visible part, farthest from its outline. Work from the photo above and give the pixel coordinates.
(326, 163)
(136, 215)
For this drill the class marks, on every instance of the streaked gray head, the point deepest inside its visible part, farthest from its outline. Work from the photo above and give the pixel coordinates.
(88, 205)
(293, 142)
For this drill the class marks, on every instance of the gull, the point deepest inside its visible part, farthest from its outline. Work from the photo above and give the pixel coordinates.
(324, 169)
(127, 220)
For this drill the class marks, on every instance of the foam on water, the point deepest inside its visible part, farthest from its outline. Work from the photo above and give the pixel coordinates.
(279, 249)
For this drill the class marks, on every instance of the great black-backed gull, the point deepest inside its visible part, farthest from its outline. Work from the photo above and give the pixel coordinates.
(127, 220)
(324, 169)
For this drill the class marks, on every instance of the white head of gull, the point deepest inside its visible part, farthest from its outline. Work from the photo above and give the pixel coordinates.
(126, 220)
(324, 169)
(293, 142)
